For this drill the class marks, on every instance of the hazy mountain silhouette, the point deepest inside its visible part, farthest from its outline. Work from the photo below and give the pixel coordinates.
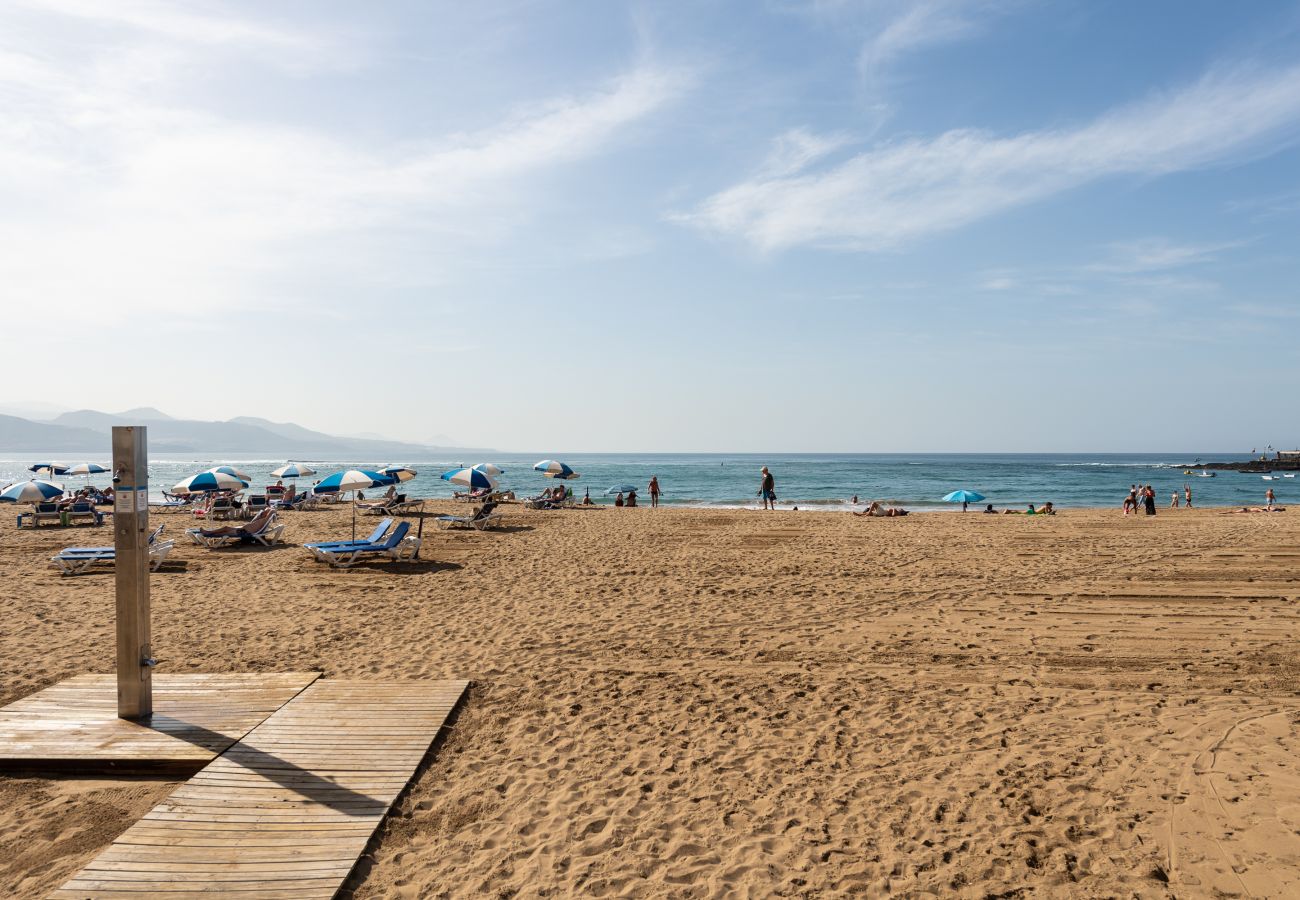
(89, 430)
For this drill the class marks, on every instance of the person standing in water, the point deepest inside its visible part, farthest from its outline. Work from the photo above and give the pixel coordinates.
(654, 491)
(1187, 495)
(767, 489)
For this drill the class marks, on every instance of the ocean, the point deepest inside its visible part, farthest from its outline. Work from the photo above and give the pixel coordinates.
(809, 481)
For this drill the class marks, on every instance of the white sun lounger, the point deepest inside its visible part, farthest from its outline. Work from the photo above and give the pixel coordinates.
(269, 534)
(76, 560)
(485, 518)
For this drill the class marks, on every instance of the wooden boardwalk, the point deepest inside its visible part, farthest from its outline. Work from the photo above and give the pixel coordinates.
(73, 726)
(287, 811)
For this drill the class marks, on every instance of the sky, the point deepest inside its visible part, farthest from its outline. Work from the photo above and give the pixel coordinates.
(760, 225)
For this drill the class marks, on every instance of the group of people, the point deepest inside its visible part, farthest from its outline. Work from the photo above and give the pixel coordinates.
(1143, 497)
(89, 494)
(628, 498)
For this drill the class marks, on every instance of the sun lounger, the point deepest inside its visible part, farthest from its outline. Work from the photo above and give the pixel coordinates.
(471, 496)
(399, 544)
(76, 560)
(222, 508)
(376, 537)
(44, 512)
(485, 517)
(256, 503)
(267, 535)
(83, 509)
(153, 537)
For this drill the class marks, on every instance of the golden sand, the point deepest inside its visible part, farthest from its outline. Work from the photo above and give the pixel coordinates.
(730, 703)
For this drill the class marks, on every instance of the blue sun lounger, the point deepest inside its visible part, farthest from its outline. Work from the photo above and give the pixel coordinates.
(375, 537)
(399, 544)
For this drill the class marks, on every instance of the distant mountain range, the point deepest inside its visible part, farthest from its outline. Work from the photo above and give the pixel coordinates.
(89, 431)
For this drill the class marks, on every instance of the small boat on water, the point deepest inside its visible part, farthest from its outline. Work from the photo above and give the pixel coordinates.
(1205, 474)
(1267, 477)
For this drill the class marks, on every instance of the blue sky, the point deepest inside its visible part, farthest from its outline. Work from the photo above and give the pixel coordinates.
(744, 226)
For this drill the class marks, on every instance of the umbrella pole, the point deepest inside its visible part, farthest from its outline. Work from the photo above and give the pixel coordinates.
(354, 515)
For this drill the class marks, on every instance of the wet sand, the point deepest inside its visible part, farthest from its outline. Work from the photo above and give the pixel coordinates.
(736, 703)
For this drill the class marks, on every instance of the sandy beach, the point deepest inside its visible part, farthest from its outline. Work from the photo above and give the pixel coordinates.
(717, 703)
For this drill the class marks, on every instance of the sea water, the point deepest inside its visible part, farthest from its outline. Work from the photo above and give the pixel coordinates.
(821, 481)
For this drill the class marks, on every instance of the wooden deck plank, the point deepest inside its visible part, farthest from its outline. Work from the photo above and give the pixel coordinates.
(73, 725)
(289, 808)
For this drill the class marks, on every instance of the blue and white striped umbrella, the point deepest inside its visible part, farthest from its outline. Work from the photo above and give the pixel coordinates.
(49, 468)
(401, 473)
(231, 470)
(621, 489)
(554, 469)
(86, 469)
(293, 470)
(352, 480)
(471, 478)
(489, 469)
(205, 482)
(31, 492)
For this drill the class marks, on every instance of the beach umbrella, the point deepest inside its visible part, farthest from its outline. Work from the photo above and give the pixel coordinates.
(963, 497)
(352, 480)
(554, 469)
(231, 470)
(293, 470)
(401, 473)
(206, 482)
(489, 469)
(33, 491)
(86, 469)
(49, 468)
(474, 479)
(621, 489)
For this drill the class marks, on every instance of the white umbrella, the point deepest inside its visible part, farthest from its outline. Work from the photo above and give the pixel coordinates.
(293, 470)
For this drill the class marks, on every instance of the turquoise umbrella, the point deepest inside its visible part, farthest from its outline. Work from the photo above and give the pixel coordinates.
(963, 497)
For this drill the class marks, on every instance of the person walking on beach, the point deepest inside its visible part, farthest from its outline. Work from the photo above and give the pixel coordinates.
(1149, 500)
(767, 489)
(654, 491)
(1187, 495)
(1173, 501)
(1268, 496)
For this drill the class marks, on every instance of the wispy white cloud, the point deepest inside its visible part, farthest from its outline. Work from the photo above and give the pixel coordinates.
(899, 192)
(190, 24)
(917, 25)
(1152, 266)
(1155, 254)
(122, 195)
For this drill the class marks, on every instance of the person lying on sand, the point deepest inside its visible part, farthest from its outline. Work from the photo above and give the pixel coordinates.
(884, 512)
(1255, 509)
(254, 525)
